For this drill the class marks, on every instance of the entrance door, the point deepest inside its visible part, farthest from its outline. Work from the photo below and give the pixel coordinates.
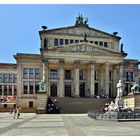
(96, 88)
(54, 89)
(67, 90)
(82, 89)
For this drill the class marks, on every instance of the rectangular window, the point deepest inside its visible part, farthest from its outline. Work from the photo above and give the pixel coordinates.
(0, 89)
(139, 81)
(56, 42)
(61, 42)
(81, 75)
(31, 73)
(105, 44)
(31, 85)
(76, 41)
(36, 87)
(0, 77)
(25, 87)
(91, 41)
(25, 73)
(15, 90)
(101, 43)
(81, 41)
(96, 75)
(5, 105)
(130, 76)
(15, 78)
(66, 41)
(10, 89)
(110, 75)
(53, 74)
(71, 41)
(10, 78)
(37, 73)
(5, 90)
(67, 74)
(5, 78)
(96, 42)
(125, 76)
(31, 104)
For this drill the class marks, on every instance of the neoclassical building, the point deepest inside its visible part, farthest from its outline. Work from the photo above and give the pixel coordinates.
(75, 61)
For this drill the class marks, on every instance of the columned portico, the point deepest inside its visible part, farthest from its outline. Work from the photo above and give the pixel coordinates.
(92, 79)
(77, 65)
(61, 76)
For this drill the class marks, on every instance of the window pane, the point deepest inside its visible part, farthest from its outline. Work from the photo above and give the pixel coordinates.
(36, 73)
(81, 75)
(31, 104)
(76, 41)
(105, 44)
(5, 78)
(0, 89)
(36, 87)
(66, 41)
(96, 75)
(10, 78)
(31, 84)
(25, 87)
(61, 42)
(81, 41)
(55, 42)
(96, 42)
(5, 90)
(53, 74)
(25, 73)
(71, 41)
(15, 78)
(15, 90)
(31, 73)
(101, 43)
(10, 89)
(67, 74)
(0, 77)
(91, 41)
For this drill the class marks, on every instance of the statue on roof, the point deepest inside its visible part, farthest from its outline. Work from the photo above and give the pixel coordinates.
(80, 20)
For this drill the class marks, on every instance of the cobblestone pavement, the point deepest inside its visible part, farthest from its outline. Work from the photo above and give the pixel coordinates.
(31, 124)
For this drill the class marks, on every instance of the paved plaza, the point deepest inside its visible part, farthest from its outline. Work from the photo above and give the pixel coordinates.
(31, 124)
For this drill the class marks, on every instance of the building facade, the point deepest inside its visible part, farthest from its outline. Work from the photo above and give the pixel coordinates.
(74, 61)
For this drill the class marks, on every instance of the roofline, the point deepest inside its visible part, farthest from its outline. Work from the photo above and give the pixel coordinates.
(49, 30)
(18, 55)
(14, 64)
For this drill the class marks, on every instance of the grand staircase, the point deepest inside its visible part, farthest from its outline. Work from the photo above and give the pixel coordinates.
(80, 105)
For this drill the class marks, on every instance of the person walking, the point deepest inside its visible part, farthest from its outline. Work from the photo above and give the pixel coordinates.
(14, 112)
(18, 113)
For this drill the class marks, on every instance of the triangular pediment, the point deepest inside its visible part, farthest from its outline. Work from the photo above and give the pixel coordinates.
(81, 30)
(85, 47)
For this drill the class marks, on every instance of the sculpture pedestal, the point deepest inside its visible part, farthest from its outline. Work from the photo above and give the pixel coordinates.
(133, 101)
(42, 103)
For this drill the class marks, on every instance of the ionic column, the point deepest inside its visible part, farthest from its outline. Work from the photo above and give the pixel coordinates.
(77, 65)
(92, 79)
(61, 75)
(114, 81)
(107, 78)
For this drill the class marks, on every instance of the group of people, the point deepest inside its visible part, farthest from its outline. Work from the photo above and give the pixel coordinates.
(16, 113)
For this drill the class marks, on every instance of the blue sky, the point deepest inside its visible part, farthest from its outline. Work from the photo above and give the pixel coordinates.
(19, 25)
